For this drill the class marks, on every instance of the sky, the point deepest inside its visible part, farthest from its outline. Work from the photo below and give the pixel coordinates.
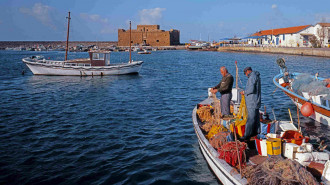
(99, 20)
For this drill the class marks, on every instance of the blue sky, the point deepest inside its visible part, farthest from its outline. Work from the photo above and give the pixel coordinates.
(99, 20)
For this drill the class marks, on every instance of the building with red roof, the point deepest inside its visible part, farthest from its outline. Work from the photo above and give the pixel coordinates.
(297, 36)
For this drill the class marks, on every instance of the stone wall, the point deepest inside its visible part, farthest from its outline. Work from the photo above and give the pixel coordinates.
(320, 52)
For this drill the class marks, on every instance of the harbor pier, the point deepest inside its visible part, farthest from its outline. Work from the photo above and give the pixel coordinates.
(318, 52)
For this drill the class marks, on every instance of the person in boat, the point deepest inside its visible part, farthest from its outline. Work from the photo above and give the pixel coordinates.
(224, 87)
(252, 94)
(284, 71)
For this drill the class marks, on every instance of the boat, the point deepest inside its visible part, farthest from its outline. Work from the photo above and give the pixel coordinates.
(98, 64)
(316, 93)
(259, 157)
(230, 175)
(144, 52)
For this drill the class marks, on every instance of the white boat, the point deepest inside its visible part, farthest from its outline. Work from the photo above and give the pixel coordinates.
(321, 106)
(302, 88)
(221, 168)
(225, 173)
(97, 65)
(144, 52)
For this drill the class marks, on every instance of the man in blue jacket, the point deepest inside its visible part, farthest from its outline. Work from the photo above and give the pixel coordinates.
(252, 94)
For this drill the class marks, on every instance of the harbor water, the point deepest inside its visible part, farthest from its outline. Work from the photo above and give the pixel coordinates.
(129, 129)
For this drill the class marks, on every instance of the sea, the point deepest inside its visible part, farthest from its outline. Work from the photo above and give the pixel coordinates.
(127, 129)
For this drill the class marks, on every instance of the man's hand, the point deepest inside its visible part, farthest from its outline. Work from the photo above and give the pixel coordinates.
(242, 92)
(214, 90)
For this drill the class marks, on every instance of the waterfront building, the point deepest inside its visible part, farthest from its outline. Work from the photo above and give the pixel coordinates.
(148, 35)
(298, 36)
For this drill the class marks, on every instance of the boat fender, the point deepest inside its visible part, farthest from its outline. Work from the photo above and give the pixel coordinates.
(307, 109)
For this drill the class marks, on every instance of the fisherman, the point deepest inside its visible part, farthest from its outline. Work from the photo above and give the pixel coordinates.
(253, 101)
(224, 87)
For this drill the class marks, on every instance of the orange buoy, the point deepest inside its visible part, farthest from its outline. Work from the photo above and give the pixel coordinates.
(307, 109)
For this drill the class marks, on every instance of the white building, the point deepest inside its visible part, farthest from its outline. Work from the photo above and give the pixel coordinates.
(298, 36)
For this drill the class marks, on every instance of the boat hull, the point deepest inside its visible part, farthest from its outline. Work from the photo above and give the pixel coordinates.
(43, 69)
(221, 168)
(321, 113)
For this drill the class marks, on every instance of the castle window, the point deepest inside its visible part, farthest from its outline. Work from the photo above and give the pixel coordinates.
(157, 40)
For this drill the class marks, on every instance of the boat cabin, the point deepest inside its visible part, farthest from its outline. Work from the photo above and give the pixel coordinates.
(99, 58)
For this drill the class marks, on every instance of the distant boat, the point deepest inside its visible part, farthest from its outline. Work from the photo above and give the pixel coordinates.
(137, 49)
(98, 64)
(302, 88)
(144, 52)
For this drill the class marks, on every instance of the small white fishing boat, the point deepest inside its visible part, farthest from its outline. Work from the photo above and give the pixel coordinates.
(257, 158)
(233, 163)
(97, 65)
(306, 89)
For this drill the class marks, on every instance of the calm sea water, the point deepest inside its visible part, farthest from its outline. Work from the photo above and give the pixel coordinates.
(130, 129)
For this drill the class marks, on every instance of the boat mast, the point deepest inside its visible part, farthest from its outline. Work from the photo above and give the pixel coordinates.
(236, 75)
(130, 42)
(67, 38)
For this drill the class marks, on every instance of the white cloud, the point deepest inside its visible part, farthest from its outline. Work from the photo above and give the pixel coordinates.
(150, 16)
(95, 18)
(322, 17)
(41, 13)
(274, 6)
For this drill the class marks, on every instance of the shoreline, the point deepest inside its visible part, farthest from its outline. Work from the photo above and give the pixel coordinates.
(316, 52)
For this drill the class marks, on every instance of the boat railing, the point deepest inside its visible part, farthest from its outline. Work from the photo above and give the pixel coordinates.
(76, 65)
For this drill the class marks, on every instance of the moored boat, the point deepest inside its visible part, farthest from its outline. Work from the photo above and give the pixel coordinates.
(144, 52)
(279, 153)
(257, 159)
(97, 65)
(304, 89)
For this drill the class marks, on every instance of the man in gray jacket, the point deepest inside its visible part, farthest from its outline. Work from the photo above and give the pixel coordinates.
(253, 101)
(224, 87)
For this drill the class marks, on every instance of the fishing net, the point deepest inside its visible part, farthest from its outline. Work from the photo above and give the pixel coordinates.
(204, 113)
(278, 171)
(216, 128)
(210, 115)
(308, 84)
(228, 152)
(217, 109)
(219, 139)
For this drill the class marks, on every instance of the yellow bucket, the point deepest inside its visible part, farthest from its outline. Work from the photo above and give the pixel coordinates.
(274, 146)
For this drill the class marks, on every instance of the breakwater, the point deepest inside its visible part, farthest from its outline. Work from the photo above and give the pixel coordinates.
(12, 44)
(319, 52)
